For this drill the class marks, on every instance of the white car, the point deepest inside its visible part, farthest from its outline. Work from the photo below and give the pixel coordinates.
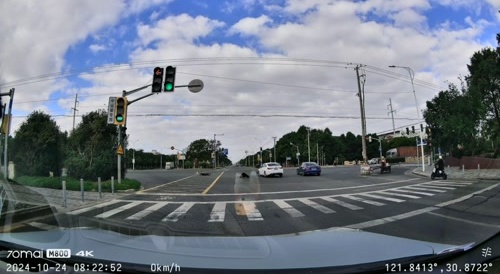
(271, 169)
(373, 161)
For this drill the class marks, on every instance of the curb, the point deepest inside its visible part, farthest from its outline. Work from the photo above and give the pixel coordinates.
(452, 177)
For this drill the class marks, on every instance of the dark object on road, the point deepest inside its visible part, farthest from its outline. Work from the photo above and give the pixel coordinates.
(205, 173)
(244, 175)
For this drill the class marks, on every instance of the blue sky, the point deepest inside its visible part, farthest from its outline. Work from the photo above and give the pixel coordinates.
(277, 58)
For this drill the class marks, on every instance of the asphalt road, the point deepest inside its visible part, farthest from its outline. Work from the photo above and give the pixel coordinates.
(184, 202)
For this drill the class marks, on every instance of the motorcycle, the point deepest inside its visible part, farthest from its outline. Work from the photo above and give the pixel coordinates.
(438, 173)
(385, 167)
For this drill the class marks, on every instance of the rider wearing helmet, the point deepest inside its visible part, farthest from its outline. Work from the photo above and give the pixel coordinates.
(440, 163)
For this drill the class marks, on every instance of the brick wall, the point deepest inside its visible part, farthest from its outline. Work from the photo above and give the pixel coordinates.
(470, 162)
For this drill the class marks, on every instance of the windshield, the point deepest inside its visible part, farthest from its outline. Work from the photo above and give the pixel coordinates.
(249, 134)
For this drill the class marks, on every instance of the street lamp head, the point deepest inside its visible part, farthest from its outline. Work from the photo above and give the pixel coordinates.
(392, 66)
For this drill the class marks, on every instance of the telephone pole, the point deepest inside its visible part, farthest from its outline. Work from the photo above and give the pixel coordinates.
(392, 115)
(75, 110)
(274, 149)
(361, 94)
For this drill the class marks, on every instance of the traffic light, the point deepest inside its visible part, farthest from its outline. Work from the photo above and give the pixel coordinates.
(369, 139)
(421, 128)
(412, 129)
(121, 111)
(407, 131)
(157, 80)
(169, 79)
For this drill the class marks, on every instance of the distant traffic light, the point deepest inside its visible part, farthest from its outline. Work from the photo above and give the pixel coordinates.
(169, 79)
(421, 128)
(407, 131)
(412, 129)
(121, 111)
(157, 80)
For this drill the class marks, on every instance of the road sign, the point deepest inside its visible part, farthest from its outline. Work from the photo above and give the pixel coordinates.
(119, 150)
(111, 110)
(195, 85)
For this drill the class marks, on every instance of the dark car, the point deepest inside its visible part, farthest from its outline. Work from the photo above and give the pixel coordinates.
(309, 168)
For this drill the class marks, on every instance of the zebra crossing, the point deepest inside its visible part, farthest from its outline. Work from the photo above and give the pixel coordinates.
(135, 210)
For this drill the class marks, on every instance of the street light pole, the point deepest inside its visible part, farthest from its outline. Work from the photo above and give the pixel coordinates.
(274, 149)
(412, 75)
(308, 144)
(298, 153)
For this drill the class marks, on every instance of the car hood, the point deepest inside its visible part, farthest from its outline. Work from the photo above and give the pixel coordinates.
(313, 249)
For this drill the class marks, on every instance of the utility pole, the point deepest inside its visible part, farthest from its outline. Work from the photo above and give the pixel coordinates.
(7, 132)
(317, 153)
(361, 95)
(274, 149)
(308, 144)
(392, 116)
(75, 110)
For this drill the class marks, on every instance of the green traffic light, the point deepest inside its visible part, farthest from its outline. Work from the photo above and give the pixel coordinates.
(169, 87)
(119, 118)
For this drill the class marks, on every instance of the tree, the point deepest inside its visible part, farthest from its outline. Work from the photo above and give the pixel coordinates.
(200, 151)
(484, 89)
(38, 146)
(453, 118)
(92, 148)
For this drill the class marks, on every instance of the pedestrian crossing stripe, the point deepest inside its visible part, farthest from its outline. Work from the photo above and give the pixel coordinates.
(252, 213)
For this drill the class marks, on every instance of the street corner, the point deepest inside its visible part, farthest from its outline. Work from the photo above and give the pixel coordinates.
(419, 172)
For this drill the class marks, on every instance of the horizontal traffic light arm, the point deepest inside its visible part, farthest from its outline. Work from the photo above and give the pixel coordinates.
(127, 93)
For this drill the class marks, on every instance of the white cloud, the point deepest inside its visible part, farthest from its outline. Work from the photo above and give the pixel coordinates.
(325, 36)
(182, 27)
(97, 48)
(250, 26)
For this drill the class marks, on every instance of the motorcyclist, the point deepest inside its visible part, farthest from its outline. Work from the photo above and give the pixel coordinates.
(440, 164)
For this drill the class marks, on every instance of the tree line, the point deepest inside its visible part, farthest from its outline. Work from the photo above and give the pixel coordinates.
(465, 118)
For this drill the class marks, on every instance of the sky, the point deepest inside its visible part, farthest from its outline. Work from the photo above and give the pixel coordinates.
(268, 67)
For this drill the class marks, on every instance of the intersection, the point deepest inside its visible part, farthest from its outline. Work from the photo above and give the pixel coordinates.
(184, 202)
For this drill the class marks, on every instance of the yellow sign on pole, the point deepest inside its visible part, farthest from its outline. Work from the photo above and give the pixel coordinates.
(5, 123)
(119, 150)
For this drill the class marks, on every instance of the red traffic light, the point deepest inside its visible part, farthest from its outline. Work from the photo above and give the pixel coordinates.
(157, 80)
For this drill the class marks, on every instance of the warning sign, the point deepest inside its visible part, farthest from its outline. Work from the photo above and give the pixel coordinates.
(119, 150)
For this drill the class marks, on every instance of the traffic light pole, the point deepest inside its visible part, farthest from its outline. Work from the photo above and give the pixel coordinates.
(193, 86)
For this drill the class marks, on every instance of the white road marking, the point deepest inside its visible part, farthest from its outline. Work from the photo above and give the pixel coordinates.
(253, 214)
(342, 203)
(363, 200)
(416, 212)
(426, 189)
(141, 214)
(317, 206)
(412, 192)
(85, 209)
(438, 187)
(382, 198)
(388, 192)
(391, 219)
(288, 208)
(174, 215)
(117, 210)
(218, 212)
